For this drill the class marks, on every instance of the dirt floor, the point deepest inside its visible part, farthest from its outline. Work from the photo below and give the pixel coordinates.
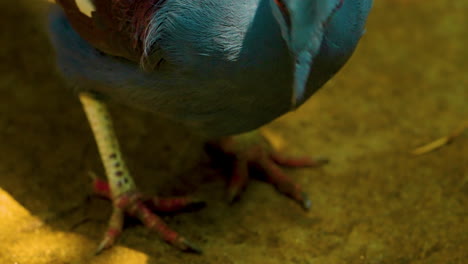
(406, 85)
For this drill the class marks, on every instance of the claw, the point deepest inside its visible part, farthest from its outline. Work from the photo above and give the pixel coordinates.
(232, 196)
(306, 202)
(238, 180)
(113, 231)
(190, 247)
(105, 244)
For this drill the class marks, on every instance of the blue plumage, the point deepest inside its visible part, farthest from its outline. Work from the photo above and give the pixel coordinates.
(220, 67)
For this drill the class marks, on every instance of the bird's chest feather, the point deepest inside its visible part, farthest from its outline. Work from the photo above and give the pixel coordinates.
(215, 75)
(220, 67)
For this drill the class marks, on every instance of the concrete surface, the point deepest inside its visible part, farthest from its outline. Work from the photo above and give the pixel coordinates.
(406, 85)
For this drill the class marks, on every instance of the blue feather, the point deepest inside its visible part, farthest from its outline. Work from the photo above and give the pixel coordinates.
(220, 67)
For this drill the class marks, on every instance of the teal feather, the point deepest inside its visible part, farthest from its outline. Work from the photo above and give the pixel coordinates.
(220, 67)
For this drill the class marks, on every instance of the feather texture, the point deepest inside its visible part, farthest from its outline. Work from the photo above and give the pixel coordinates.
(220, 67)
(115, 27)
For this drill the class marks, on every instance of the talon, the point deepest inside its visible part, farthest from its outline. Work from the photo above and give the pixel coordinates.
(105, 244)
(190, 247)
(306, 202)
(109, 238)
(194, 203)
(102, 246)
(239, 179)
(232, 195)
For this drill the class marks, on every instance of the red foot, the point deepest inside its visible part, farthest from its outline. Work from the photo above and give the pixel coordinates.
(134, 204)
(257, 153)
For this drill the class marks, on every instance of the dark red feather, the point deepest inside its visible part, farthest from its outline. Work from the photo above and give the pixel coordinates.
(117, 27)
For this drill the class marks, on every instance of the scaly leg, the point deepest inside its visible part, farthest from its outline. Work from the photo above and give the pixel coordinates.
(121, 188)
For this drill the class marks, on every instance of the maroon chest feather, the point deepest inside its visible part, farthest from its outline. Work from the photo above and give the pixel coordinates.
(117, 27)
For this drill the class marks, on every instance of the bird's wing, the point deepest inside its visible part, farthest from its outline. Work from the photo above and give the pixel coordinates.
(115, 27)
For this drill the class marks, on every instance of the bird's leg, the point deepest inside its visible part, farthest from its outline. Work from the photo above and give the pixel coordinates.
(253, 149)
(120, 187)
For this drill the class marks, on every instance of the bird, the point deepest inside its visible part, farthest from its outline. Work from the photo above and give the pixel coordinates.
(222, 68)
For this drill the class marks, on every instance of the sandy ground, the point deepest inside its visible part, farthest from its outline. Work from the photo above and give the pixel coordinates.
(407, 84)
